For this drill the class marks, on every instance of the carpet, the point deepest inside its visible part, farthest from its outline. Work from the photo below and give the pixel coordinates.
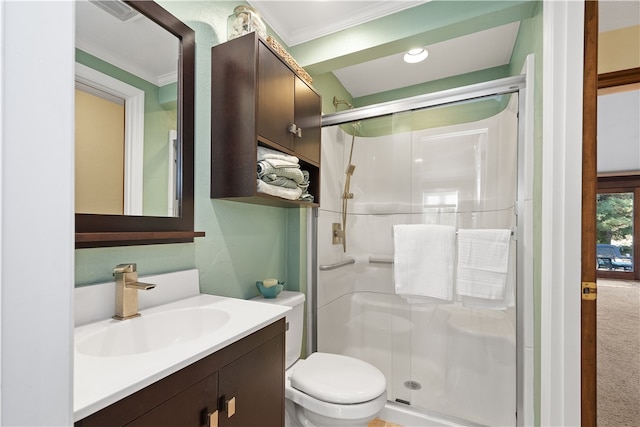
(618, 337)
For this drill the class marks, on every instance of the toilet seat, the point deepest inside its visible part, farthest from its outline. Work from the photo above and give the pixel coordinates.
(356, 411)
(350, 412)
(339, 379)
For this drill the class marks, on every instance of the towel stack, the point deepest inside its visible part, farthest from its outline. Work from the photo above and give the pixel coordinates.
(280, 175)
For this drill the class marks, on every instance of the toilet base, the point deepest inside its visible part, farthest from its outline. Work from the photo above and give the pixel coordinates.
(297, 416)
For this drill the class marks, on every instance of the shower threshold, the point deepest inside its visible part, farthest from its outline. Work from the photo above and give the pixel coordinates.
(406, 416)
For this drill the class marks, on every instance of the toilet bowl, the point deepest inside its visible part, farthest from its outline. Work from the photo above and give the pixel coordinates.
(326, 389)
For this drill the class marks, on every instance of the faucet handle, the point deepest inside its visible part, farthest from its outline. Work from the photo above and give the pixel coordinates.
(124, 268)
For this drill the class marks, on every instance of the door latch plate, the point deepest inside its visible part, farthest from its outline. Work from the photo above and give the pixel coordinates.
(589, 291)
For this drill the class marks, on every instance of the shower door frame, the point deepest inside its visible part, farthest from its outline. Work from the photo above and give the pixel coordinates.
(524, 285)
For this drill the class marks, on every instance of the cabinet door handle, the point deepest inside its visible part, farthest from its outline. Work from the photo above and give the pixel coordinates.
(213, 419)
(231, 407)
(295, 130)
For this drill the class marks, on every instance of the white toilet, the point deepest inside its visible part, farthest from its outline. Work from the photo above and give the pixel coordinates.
(326, 389)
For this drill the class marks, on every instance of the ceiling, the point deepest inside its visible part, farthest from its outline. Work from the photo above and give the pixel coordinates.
(615, 14)
(300, 22)
(136, 45)
(461, 55)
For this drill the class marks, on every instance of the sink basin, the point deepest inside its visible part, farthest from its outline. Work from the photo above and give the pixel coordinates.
(114, 359)
(152, 332)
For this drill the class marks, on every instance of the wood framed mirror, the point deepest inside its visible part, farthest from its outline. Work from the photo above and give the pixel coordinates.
(112, 229)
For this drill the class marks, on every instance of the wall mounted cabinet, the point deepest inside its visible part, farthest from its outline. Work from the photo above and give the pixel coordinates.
(257, 99)
(240, 385)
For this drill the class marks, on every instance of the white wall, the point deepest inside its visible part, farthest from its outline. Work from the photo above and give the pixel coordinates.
(618, 132)
(561, 212)
(36, 175)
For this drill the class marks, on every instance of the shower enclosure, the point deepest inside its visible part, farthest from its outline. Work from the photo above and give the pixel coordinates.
(455, 163)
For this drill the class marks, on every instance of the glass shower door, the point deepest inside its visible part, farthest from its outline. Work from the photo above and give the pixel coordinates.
(452, 165)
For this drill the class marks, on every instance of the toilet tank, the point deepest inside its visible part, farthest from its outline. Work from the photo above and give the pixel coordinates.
(294, 319)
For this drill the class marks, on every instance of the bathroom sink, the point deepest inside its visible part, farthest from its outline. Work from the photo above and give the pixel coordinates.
(115, 358)
(152, 332)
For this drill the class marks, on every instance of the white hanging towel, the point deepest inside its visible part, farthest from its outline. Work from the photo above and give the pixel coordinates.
(483, 264)
(423, 261)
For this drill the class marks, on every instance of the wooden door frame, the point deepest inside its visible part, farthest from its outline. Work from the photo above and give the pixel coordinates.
(588, 411)
(592, 82)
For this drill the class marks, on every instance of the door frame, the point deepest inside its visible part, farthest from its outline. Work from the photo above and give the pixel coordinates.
(588, 306)
(592, 82)
(558, 212)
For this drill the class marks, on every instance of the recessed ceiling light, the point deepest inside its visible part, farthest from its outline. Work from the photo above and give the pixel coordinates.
(416, 55)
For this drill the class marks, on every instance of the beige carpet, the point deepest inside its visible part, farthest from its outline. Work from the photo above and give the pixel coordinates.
(618, 353)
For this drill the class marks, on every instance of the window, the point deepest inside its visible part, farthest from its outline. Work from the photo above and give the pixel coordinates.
(617, 226)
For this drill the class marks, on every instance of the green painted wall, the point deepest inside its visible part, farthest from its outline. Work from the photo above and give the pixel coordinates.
(160, 116)
(243, 242)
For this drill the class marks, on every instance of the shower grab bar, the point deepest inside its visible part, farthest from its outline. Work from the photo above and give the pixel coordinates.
(338, 264)
(373, 260)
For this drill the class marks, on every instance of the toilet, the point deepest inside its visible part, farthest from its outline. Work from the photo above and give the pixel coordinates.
(325, 389)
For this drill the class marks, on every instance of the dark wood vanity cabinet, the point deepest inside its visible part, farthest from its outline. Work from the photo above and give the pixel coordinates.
(240, 385)
(257, 99)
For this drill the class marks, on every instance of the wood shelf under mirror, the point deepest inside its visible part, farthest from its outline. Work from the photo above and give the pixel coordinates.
(92, 240)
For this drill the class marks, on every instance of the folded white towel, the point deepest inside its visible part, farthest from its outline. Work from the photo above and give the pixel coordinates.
(423, 261)
(285, 193)
(483, 263)
(280, 163)
(267, 153)
(280, 168)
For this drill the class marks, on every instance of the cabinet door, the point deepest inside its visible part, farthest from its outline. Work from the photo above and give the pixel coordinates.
(308, 112)
(254, 384)
(190, 408)
(275, 98)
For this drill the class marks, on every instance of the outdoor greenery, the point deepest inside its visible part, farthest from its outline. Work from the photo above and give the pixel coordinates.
(614, 216)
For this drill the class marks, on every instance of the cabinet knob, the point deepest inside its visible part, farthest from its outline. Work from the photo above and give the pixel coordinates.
(295, 130)
(231, 407)
(213, 419)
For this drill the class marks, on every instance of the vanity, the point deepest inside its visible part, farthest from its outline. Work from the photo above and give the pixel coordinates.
(198, 360)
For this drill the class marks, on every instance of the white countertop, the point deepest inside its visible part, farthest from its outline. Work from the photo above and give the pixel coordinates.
(100, 381)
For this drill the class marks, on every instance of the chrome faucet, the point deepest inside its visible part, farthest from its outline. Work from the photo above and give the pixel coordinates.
(127, 287)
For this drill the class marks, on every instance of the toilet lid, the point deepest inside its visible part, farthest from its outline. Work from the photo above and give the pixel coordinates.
(338, 379)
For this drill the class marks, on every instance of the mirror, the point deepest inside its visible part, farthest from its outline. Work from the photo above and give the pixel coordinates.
(146, 81)
(126, 93)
